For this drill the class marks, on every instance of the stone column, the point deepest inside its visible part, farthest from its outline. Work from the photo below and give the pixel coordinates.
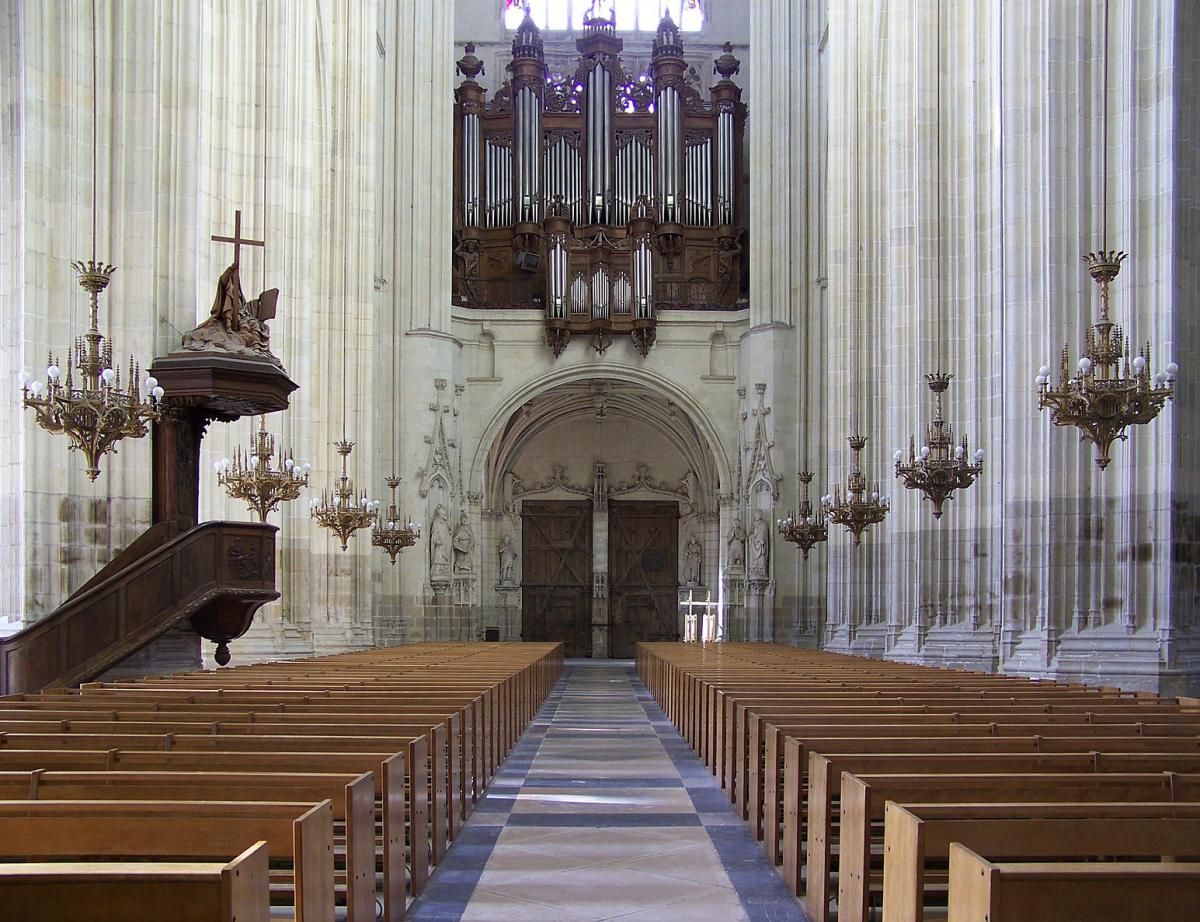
(781, 348)
(413, 277)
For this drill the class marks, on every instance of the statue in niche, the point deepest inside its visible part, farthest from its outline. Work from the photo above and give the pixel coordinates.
(510, 486)
(693, 556)
(234, 324)
(439, 546)
(690, 487)
(464, 543)
(508, 561)
(759, 547)
(737, 547)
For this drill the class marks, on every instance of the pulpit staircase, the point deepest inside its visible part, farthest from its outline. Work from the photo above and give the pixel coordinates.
(215, 574)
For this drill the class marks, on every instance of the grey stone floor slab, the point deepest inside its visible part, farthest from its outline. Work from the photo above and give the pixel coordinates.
(603, 812)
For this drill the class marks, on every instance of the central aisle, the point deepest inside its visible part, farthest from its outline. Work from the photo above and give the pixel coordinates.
(602, 811)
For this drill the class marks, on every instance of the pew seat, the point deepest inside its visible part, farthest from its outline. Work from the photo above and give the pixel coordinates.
(985, 891)
(141, 891)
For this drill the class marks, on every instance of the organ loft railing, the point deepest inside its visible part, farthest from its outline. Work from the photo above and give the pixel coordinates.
(600, 196)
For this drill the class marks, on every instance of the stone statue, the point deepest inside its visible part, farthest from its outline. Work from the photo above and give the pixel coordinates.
(508, 561)
(737, 547)
(439, 546)
(464, 543)
(510, 486)
(235, 325)
(690, 487)
(693, 554)
(759, 547)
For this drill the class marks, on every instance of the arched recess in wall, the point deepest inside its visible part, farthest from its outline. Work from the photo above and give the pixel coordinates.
(632, 391)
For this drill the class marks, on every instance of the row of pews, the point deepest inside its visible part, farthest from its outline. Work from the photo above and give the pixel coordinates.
(310, 789)
(907, 793)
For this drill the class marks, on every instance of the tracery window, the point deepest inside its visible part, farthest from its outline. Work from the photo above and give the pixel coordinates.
(631, 15)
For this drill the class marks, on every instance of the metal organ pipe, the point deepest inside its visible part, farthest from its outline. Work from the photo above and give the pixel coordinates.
(526, 134)
(725, 167)
(669, 152)
(642, 280)
(599, 122)
(556, 271)
(470, 168)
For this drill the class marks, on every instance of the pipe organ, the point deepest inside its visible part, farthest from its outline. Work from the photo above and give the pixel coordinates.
(600, 197)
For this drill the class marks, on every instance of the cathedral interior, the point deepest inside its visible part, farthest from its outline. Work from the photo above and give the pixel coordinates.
(809, 323)
(580, 460)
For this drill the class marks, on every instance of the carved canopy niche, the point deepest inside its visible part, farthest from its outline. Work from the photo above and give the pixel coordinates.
(599, 196)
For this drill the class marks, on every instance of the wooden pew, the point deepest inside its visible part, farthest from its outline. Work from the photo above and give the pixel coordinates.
(747, 708)
(464, 703)
(352, 798)
(981, 891)
(917, 835)
(826, 769)
(181, 830)
(765, 775)
(402, 808)
(866, 796)
(138, 891)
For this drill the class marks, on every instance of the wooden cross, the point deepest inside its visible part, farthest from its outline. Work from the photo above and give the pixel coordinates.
(237, 239)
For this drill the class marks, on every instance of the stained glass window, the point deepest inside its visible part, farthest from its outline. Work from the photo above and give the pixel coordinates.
(631, 15)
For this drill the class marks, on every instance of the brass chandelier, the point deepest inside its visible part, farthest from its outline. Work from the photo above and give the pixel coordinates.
(940, 467)
(807, 529)
(390, 532)
(856, 510)
(341, 510)
(254, 479)
(1102, 398)
(97, 411)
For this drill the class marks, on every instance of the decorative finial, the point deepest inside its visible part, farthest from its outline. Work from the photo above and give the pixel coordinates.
(727, 65)
(469, 65)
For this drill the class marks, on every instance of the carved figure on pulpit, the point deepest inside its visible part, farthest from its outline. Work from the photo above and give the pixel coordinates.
(760, 550)
(234, 324)
(508, 561)
(464, 543)
(693, 556)
(439, 546)
(737, 547)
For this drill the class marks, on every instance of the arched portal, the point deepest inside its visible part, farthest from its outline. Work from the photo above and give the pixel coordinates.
(603, 497)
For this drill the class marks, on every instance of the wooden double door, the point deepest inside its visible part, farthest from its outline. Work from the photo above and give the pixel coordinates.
(558, 575)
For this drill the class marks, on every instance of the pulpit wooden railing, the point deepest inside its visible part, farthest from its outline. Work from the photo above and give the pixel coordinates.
(217, 574)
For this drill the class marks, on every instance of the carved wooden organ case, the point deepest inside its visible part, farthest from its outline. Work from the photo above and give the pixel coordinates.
(599, 196)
